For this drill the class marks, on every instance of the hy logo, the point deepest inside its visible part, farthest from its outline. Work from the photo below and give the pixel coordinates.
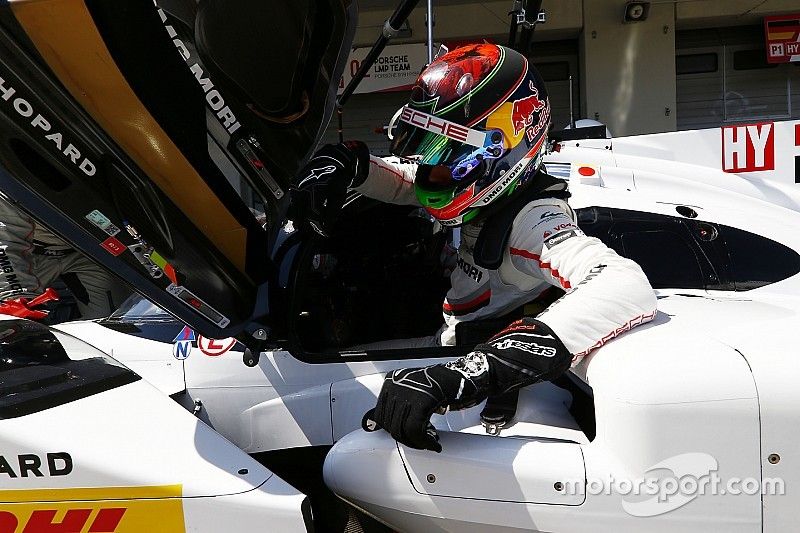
(182, 343)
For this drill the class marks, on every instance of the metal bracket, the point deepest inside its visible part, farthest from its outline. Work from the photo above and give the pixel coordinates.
(522, 21)
(493, 428)
(255, 345)
(388, 31)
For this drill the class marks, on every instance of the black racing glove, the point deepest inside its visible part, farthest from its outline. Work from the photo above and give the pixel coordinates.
(321, 185)
(524, 353)
(410, 396)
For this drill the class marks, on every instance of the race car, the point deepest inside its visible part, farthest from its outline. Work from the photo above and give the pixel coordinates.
(707, 384)
(125, 144)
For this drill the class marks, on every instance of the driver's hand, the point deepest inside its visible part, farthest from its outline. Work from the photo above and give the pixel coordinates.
(410, 396)
(320, 188)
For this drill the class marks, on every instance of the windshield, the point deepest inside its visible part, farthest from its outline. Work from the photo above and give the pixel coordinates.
(137, 308)
(41, 368)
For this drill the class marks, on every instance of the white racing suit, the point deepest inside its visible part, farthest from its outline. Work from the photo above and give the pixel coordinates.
(32, 259)
(606, 294)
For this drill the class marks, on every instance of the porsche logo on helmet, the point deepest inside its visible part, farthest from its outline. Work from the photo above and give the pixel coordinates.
(440, 126)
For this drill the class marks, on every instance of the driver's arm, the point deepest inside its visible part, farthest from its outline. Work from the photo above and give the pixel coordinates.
(606, 294)
(389, 180)
(320, 188)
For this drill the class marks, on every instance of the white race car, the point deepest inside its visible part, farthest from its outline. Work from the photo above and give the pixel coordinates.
(702, 396)
(123, 143)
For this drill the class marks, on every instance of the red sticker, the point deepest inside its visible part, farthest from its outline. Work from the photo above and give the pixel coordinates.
(748, 148)
(113, 246)
(213, 347)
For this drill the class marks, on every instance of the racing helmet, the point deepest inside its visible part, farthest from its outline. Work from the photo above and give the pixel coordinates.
(476, 124)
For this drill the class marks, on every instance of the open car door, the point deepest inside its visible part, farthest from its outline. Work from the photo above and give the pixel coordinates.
(125, 127)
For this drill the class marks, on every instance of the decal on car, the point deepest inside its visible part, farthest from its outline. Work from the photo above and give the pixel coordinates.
(748, 147)
(182, 343)
(98, 510)
(24, 109)
(113, 246)
(41, 125)
(103, 222)
(214, 347)
(559, 170)
(34, 465)
(214, 99)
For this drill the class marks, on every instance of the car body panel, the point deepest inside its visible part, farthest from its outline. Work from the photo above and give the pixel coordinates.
(118, 456)
(660, 393)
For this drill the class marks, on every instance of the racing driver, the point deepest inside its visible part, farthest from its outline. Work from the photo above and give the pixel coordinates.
(471, 142)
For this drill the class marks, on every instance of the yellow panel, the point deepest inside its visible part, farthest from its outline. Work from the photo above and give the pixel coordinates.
(102, 510)
(501, 119)
(775, 35)
(66, 37)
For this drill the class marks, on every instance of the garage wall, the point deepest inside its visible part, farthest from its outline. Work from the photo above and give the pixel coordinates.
(364, 114)
(723, 77)
(629, 69)
(626, 74)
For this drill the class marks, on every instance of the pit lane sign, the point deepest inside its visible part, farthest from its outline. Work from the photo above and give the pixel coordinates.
(396, 69)
(782, 33)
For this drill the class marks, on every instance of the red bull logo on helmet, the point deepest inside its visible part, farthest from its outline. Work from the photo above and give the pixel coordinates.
(522, 110)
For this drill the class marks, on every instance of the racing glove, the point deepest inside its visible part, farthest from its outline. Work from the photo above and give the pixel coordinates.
(321, 185)
(524, 353)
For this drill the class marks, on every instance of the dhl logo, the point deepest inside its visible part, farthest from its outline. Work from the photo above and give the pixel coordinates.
(73, 521)
(95, 510)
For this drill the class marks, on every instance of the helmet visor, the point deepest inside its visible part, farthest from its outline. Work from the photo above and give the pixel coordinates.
(429, 140)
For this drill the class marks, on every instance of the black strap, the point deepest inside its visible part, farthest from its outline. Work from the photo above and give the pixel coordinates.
(47, 250)
(499, 411)
(493, 237)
